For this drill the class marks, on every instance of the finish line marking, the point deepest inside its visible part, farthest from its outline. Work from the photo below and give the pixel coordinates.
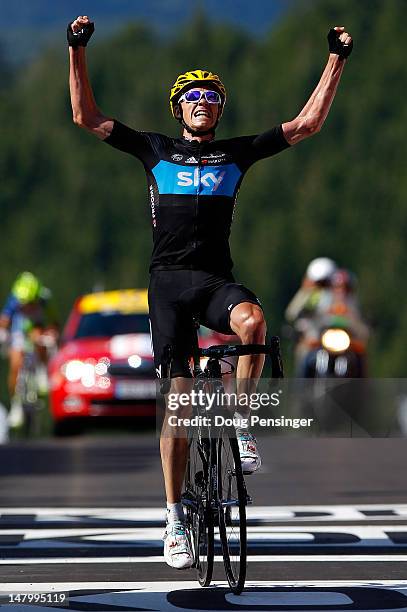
(218, 559)
(333, 512)
(154, 534)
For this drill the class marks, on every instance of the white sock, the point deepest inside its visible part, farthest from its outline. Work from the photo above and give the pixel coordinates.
(175, 512)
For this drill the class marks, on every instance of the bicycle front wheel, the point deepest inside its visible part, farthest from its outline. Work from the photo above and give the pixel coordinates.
(232, 499)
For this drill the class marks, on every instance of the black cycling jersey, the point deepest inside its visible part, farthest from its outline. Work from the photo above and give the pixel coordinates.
(192, 190)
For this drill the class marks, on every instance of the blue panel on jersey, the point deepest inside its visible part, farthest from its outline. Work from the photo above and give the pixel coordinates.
(192, 180)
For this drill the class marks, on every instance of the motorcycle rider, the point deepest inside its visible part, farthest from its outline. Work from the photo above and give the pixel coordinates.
(316, 280)
(326, 292)
(300, 311)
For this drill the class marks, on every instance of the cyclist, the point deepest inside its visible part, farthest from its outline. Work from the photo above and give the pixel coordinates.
(28, 311)
(193, 183)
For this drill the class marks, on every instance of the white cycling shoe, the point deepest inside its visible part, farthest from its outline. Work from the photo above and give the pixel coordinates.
(249, 453)
(177, 549)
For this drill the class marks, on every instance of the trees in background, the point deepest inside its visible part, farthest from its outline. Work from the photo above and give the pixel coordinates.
(76, 212)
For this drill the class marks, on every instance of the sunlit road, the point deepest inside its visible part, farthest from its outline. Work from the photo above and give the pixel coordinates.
(327, 530)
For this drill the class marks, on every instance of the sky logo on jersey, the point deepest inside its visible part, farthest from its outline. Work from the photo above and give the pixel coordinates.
(207, 179)
(217, 180)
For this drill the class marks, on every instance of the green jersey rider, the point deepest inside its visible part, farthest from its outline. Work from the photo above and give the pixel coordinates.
(29, 311)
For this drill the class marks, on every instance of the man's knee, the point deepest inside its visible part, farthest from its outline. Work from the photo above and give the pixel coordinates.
(247, 321)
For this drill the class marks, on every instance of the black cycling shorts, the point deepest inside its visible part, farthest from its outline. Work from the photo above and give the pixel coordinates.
(178, 298)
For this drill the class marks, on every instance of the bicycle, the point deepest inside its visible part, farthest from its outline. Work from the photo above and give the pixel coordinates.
(28, 389)
(215, 492)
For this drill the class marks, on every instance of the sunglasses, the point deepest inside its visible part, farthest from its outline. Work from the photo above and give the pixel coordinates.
(195, 95)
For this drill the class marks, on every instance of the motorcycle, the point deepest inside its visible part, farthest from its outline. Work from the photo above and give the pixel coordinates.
(337, 351)
(335, 365)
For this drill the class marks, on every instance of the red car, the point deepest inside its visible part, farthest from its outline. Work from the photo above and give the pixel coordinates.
(104, 367)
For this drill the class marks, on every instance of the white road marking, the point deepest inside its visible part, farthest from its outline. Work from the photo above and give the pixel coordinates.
(165, 586)
(250, 558)
(306, 531)
(368, 535)
(271, 513)
(170, 596)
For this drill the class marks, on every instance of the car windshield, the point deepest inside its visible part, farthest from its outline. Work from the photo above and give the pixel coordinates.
(103, 324)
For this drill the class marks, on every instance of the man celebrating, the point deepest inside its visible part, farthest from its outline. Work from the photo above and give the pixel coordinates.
(193, 183)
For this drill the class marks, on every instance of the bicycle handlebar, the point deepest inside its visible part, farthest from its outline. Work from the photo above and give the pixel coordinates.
(219, 351)
(235, 350)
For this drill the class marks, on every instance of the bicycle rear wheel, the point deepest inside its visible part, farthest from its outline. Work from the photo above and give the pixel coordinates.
(232, 499)
(199, 511)
(27, 390)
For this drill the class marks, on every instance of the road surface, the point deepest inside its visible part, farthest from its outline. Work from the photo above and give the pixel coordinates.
(83, 517)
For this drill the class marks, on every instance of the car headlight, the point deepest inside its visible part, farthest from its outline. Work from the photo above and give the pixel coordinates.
(102, 366)
(134, 361)
(89, 372)
(73, 370)
(335, 340)
(88, 377)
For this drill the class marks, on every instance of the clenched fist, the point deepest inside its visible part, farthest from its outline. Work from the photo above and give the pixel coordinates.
(80, 31)
(340, 42)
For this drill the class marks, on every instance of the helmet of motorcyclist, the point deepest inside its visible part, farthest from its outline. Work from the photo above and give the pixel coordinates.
(320, 269)
(26, 288)
(343, 279)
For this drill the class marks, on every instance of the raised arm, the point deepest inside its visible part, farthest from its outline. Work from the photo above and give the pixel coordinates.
(311, 119)
(85, 112)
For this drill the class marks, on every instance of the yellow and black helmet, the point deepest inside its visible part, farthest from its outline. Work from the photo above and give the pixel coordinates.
(196, 78)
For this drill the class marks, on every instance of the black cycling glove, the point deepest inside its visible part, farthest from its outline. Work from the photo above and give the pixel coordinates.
(81, 38)
(338, 47)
